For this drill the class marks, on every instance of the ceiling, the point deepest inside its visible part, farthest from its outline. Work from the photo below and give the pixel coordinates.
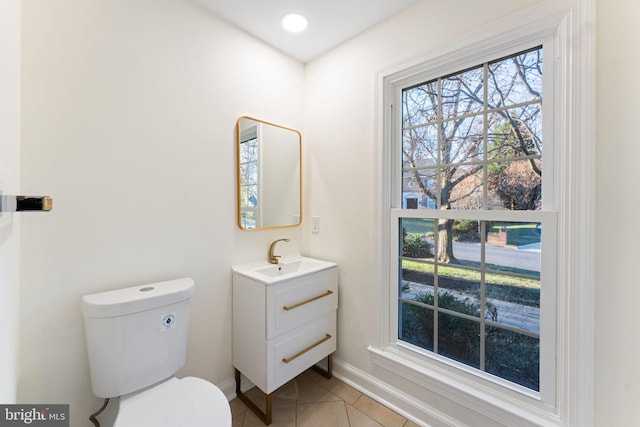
(331, 22)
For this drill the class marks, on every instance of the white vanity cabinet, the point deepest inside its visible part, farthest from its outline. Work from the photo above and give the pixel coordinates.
(284, 322)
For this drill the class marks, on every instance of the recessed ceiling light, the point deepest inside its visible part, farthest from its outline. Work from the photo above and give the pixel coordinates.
(294, 22)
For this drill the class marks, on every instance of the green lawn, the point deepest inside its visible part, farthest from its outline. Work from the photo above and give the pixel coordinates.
(505, 288)
(471, 275)
(418, 225)
(518, 234)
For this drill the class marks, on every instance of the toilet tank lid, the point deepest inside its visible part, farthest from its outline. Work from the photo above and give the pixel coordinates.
(137, 298)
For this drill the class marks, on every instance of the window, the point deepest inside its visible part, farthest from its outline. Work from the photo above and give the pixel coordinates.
(412, 235)
(472, 263)
(249, 177)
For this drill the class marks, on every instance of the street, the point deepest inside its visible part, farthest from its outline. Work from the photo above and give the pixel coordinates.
(527, 258)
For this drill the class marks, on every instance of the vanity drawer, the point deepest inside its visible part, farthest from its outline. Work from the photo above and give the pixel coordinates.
(293, 353)
(291, 304)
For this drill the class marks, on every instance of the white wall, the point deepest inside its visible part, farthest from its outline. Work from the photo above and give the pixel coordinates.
(9, 184)
(617, 353)
(128, 116)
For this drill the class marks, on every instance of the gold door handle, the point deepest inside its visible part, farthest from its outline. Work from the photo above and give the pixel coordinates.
(291, 307)
(303, 351)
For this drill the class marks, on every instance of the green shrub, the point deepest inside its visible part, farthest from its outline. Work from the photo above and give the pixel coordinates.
(513, 356)
(458, 338)
(466, 230)
(509, 355)
(415, 245)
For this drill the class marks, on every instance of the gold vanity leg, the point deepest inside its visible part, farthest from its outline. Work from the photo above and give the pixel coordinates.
(265, 417)
(329, 372)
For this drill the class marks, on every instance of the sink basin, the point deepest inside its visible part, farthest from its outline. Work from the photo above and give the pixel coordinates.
(287, 268)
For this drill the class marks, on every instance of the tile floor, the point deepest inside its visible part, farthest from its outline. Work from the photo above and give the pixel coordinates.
(310, 400)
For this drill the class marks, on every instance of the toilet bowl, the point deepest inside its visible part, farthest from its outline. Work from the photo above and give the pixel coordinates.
(188, 401)
(136, 342)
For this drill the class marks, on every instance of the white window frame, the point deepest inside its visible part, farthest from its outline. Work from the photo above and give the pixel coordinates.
(566, 393)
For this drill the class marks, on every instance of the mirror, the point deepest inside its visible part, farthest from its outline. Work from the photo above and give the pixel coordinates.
(269, 178)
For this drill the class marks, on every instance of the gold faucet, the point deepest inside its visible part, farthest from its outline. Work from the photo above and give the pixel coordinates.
(273, 259)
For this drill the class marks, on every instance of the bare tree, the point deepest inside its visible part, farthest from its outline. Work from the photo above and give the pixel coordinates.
(455, 125)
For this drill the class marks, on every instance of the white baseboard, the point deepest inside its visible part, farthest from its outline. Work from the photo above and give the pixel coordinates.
(228, 386)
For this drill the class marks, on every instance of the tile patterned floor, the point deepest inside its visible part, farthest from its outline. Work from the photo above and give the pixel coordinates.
(310, 400)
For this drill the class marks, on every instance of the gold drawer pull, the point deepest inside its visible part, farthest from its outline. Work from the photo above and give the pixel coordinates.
(311, 347)
(291, 307)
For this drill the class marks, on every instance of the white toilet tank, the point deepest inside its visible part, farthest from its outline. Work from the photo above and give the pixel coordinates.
(136, 336)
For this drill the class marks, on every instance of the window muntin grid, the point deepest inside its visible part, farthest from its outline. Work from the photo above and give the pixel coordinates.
(249, 182)
(457, 154)
(471, 310)
(461, 139)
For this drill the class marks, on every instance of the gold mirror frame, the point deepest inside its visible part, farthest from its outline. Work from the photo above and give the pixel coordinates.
(269, 175)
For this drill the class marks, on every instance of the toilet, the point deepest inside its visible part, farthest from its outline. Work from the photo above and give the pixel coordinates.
(136, 342)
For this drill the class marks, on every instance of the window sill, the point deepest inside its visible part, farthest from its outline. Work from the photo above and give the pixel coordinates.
(508, 406)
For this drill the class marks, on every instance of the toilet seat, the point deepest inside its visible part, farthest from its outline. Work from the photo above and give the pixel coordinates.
(189, 401)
